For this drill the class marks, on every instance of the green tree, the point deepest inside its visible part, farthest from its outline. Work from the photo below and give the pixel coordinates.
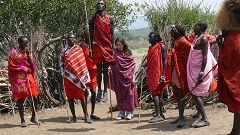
(161, 14)
(58, 16)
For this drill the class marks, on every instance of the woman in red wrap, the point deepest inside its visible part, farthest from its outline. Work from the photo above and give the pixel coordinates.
(228, 61)
(156, 69)
(21, 73)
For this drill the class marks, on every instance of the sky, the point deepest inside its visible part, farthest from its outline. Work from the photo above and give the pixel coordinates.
(141, 23)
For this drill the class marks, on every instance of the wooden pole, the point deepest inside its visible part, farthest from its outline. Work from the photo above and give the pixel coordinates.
(140, 102)
(110, 93)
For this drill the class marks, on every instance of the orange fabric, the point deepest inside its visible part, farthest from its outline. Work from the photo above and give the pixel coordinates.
(72, 91)
(92, 68)
(213, 86)
(155, 69)
(229, 72)
(180, 54)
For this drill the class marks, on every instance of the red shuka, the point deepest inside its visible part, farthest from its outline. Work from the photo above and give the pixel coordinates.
(92, 68)
(180, 54)
(102, 48)
(229, 72)
(155, 69)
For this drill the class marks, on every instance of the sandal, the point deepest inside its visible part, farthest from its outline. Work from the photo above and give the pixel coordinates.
(200, 123)
(23, 124)
(155, 119)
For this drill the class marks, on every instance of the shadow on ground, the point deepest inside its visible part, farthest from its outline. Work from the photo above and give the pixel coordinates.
(2, 126)
(72, 130)
(56, 120)
(165, 125)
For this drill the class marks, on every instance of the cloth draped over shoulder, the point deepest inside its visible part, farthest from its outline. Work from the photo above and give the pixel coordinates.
(76, 75)
(229, 72)
(102, 38)
(155, 69)
(21, 75)
(122, 83)
(180, 53)
(92, 67)
(194, 67)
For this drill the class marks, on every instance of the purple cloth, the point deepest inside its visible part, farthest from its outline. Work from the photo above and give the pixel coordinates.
(122, 81)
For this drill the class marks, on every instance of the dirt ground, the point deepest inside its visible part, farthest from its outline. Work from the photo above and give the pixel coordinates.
(55, 121)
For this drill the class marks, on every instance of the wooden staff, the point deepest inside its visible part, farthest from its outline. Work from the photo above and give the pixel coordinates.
(88, 31)
(65, 95)
(110, 93)
(140, 102)
(199, 83)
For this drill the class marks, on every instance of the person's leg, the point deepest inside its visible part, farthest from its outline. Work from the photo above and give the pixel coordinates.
(161, 105)
(181, 104)
(21, 112)
(105, 79)
(99, 79)
(34, 119)
(158, 117)
(72, 109)
(84, 107)
(203, 120)
(162, 102)
(93, 102)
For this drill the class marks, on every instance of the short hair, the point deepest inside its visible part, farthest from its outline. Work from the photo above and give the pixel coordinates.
(203, 25)
(156, 36)
(20, 39)
(180, 30)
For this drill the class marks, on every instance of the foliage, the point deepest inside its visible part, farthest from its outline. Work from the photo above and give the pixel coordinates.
(58, 16)
(161, 14)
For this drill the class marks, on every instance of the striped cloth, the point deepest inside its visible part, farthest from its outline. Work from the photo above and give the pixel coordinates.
(75, 67)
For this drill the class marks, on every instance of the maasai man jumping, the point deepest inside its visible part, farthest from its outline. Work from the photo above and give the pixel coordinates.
(21, 73)
(156, 69)
(122, 75)
(200, 62)
(180, 51)
(76, 76)
(102, 35)
(228, 61)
